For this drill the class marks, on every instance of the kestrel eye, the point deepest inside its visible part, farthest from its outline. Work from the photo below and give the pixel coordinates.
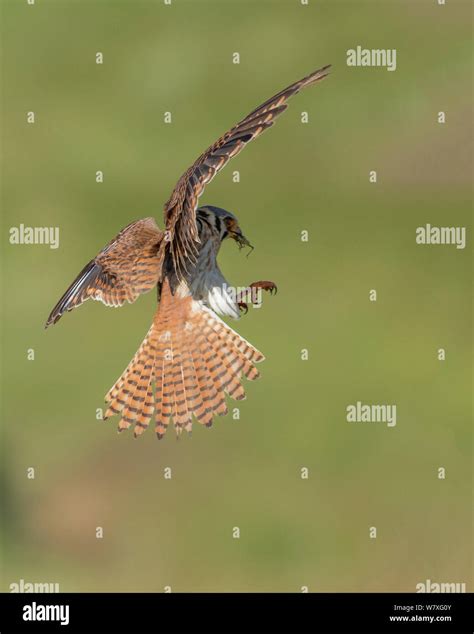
(231, 225)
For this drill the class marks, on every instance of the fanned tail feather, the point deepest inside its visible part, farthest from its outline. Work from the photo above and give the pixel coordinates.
(192, 359)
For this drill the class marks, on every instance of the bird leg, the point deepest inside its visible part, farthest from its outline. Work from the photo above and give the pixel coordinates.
(255, 296)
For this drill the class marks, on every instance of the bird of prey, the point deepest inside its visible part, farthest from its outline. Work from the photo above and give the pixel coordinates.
(190, 358)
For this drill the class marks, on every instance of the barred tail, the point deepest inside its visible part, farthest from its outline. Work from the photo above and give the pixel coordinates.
(192, 359)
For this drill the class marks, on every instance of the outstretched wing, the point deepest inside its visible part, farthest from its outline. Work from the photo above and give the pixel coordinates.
(128, 266)
(180, 210)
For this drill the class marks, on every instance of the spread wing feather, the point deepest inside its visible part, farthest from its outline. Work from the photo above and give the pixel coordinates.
(127, 267)
(180, 210)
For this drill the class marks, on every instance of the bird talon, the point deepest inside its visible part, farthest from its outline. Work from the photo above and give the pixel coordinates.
(244, 307)
(271, 287)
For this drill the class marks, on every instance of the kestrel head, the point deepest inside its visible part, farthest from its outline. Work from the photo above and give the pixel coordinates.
(225, 224)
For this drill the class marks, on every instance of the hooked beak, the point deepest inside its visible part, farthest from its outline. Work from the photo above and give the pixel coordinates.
(241, 240)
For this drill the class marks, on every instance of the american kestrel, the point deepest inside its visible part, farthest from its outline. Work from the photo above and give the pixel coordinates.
(190, 358)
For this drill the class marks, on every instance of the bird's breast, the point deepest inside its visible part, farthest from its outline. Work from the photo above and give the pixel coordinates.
(205, 273)
(207, 284)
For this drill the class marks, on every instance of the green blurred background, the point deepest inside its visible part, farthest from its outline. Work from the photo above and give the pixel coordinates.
(297, 177)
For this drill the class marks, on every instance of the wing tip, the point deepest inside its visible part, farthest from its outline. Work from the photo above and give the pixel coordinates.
(52, 319)
(317, 75)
